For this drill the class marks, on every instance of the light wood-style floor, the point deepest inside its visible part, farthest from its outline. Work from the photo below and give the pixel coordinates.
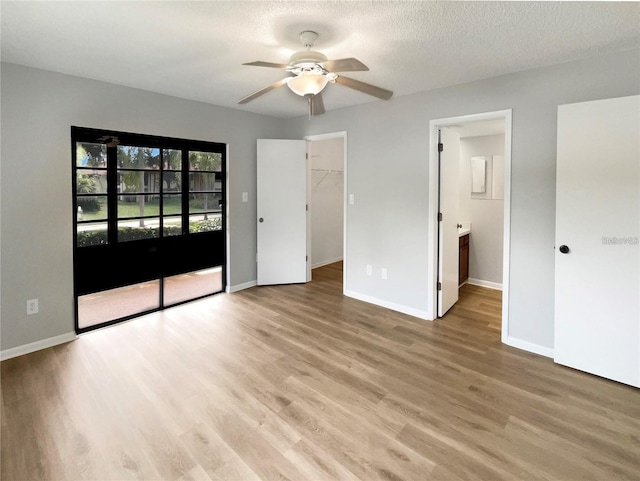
(298, 382)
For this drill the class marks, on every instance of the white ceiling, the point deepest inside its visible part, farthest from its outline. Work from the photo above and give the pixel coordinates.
(194, 50)
(479, 128)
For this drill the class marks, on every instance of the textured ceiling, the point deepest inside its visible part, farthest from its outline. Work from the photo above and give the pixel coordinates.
(194, 50)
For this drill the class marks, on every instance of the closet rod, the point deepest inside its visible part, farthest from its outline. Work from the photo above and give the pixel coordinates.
(329, 171)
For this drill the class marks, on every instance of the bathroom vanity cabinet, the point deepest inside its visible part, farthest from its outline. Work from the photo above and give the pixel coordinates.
(463, 272)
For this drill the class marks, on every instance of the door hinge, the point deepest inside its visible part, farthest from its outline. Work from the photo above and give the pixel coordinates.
(306, 207)
(306, 155)
(440, 146)
(439, 286)
(256, 257)
(440, 216)
(306, 258)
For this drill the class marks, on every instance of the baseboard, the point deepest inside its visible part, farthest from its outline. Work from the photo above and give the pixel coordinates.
(491, 285)
(325, 263)
(37, 346)
(389, 305)
(240, 287)
(528, 346)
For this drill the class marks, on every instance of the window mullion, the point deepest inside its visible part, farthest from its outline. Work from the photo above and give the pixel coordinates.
(112, 195)
(185, 191)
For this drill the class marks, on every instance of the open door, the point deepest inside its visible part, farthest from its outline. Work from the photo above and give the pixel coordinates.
(282, 211)
(597, 291)
(448, 248)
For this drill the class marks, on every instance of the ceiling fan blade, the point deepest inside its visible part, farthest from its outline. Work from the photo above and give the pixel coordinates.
(267, 64)
(263, 91)
(345, 65)
(317, 104)
(366, 88)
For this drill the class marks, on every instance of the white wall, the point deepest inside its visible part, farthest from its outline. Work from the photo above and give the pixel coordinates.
(38, 109)
(388, 153)
(486, 215)
(327, 200)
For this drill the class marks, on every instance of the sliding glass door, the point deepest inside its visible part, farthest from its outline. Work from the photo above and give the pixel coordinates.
(149, 223)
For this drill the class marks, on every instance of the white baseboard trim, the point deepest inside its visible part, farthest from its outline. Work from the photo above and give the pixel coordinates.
(240, 287)
(389, 305)
(325, 263)
(528, 346)
(491, 285)
(37, 346)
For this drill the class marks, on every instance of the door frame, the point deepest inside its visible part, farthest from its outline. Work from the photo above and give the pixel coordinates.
(311, 138)
(434, 193)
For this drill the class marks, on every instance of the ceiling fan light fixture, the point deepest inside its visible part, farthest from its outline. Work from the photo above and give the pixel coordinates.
(308, 83)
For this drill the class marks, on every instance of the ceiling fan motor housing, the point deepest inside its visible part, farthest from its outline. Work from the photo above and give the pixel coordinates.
(306, 59)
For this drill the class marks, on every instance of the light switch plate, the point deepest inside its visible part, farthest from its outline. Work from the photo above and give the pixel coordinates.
(352, 199)
(245, 197)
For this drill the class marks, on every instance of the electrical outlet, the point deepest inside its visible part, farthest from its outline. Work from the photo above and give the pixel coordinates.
(32, 306)
(352, 199)
(369, 269)
(245, 197)
(383, 273)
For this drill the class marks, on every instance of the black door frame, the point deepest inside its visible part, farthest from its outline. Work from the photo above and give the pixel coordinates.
(114, 264)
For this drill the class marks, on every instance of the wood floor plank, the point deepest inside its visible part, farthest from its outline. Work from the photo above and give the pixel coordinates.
(298, 382)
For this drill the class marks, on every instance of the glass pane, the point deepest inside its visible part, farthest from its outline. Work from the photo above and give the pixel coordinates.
(91, 155)
(118, 303)
(204, 202)
(172, 204)
(200, 181)
(205, 223)
(89, 181)
(130, 157)
(172, 182)
(205, 161)
(172, 225)
(138, 181)
(93, 234)
(91, 207)
(172, 159)
(136, 229)
(192, 284)
(138, 205)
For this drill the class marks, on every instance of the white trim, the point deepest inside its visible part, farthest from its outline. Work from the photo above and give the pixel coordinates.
(345, 206)
(326, 263)
(432, 244)
(240, 287)
(529, 346)
(488, 284)
(37, 346)
(389, 305)
(506, 243)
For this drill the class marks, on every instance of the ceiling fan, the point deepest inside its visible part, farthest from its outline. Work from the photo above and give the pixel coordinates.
(310, 72)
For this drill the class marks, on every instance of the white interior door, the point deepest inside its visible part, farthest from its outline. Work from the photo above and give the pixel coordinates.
(597, 291)
(448, 247)
(282, 214)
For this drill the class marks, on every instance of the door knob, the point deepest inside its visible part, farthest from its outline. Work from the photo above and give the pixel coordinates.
(260, 219)
(564, 249)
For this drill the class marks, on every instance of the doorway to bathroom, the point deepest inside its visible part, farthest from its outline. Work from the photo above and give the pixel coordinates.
(469, 213)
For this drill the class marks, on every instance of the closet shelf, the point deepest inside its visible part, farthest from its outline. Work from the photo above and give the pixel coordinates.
(326, 173)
